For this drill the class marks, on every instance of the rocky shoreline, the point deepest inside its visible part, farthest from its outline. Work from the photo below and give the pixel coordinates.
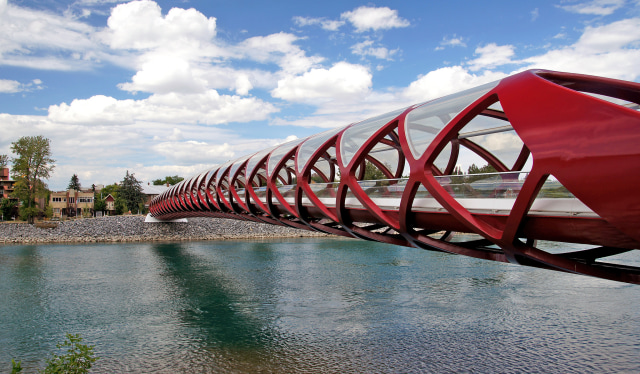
(134, 229)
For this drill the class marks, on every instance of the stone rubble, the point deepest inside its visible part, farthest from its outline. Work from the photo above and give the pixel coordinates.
(134, 229)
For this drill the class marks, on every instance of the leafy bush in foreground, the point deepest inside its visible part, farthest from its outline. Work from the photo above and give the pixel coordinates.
(77, 359)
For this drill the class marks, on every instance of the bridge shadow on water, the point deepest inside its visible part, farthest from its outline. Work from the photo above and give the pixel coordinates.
(213, 304)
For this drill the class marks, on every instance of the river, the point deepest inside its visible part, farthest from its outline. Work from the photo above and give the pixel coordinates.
(309, 306)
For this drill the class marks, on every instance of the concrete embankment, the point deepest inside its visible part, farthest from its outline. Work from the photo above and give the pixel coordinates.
(134, 229)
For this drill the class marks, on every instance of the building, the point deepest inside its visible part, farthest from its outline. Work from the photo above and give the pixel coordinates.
(72, 203)
(111, 205)
(150, 191)
(6, 184)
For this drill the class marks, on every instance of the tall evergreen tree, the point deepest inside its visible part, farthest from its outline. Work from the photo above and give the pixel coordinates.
(131, 192)
(74, 183)
(32, 165)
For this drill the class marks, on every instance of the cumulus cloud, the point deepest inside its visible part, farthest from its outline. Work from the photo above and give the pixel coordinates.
(280, 49)
(445, 81)
(454, 41)
(194, 151)
(342, 81)
(326, 24)
(609, 50)
(208, 108)
(164, 75)
(140, 25)
(9, 86)
(101, 153)
(595, 7)
(368, 48)
(42, 40)
(491, 56)
(367, 18)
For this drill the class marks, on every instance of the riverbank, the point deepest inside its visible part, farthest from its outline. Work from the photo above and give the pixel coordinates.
(134, 229)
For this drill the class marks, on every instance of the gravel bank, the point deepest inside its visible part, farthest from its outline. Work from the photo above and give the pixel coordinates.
(134, 229)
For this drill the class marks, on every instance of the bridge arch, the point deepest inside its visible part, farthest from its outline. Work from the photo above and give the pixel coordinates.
(558, 157)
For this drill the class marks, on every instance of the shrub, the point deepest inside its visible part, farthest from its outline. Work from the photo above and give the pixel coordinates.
(78, 359)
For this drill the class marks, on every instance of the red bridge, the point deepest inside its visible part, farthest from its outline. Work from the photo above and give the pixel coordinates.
(555, 157)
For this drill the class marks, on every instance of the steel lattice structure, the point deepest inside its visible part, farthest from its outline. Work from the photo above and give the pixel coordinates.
(562, 151)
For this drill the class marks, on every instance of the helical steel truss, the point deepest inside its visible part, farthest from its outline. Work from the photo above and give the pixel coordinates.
(555, 157)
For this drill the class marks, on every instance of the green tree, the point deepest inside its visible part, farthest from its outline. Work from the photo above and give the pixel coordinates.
(371, 172)
(6, 208)
(474, 170)
(168, 179)
(120, 206)
(131, 192)
(111, 189)
(74, 183)
(4, 161)
(32, 165)
(99, 205)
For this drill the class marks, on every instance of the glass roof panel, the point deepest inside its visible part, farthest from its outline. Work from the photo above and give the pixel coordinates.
(425, 122)
(279, 153)
(236, 165)
(253, 162)
(355, 136)
(307, 148)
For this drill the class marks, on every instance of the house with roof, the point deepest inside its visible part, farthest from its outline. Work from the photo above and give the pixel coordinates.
(71, 203)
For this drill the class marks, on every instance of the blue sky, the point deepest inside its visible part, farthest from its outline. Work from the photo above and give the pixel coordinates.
(175, 87)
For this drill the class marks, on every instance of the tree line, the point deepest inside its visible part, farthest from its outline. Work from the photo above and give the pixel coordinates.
(33, 165)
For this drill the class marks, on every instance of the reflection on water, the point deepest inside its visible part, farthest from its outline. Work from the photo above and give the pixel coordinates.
(309, 305)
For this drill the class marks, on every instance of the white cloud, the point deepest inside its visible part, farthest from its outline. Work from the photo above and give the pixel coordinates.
(610, 37)
(326, 24)
(42, 40)
(595, 7)
(140, 25)
(610, 51)
(176, 135)
(445, 81)
(491, 56)
(207, 108)
(280, 49)
(342, 81)
(331, 25)
(192, 151)
(164, 75)
(367, 48)
(454, 41)
(9, 86)
(367, 18)
(535, 14)
(102, 153)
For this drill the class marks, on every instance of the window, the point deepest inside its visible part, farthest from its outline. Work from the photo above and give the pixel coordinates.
(71, 199)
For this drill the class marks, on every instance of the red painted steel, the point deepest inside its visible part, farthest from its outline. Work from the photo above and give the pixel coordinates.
(563, 149)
